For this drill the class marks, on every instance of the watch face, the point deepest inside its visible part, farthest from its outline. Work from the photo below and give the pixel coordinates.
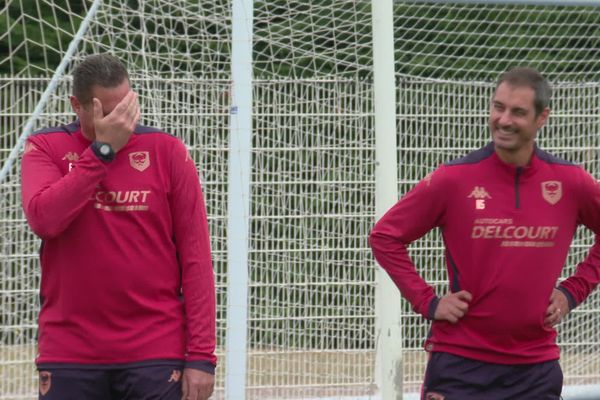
(105, 149)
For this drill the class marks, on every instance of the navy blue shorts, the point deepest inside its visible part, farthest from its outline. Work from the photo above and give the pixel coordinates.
(450, 377)
(161, 382)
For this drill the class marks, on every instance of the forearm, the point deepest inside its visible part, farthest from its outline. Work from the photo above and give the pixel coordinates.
(52, 201)
(198, 286)
(200, 309)
(393, 257)
(418, 212)
(201, 344)
(193, 247)
(587, 276)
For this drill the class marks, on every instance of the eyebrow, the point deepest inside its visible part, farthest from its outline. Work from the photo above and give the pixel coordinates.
(498, 102)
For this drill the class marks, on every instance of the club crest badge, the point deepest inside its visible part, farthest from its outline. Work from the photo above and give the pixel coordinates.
(552, 191)
(139, 160)
(45, 382)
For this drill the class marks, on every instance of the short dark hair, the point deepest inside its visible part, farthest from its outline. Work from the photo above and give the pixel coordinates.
(104, 70)
(529, 77)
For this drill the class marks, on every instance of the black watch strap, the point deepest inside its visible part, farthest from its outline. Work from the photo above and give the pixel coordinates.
(103, 151)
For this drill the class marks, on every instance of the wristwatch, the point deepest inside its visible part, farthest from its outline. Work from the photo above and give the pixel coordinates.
(103, 150)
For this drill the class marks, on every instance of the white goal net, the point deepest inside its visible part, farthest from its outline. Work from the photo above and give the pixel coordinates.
(311, 316)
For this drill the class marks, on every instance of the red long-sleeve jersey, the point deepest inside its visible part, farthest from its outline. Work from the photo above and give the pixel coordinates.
(126, 266)
(507, 231)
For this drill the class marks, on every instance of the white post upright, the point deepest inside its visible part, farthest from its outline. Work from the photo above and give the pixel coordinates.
(238, 205)
(387, 300)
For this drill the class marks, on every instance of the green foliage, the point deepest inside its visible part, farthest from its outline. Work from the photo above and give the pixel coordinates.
(475, 42)
(298, 40)
(37, 34)
(318, 38)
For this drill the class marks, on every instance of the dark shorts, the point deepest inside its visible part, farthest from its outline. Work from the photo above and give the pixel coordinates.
(450, 377)
(139, 383)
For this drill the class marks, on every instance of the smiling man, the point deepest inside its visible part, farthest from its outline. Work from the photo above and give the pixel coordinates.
(127, 290)
(507, 213)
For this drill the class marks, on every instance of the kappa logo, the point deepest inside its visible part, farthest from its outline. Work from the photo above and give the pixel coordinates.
(427, 178)
(175, 376)
(71, 156)
(29, 147)
(139, 160)
(552, 191)
(45, 382)
(479, 194)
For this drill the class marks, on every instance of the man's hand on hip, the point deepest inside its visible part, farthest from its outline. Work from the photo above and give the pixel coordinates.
(453, 306)
(197, 385)
(557, 308)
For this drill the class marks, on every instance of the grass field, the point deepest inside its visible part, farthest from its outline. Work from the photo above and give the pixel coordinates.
(289, 375)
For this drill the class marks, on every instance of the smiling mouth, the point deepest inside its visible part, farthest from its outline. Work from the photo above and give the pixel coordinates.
(504, 132)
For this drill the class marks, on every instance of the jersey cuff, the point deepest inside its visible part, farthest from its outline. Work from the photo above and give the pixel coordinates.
(570, 298)
(201, 365)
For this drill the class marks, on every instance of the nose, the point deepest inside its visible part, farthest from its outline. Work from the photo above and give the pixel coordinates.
(503, 118)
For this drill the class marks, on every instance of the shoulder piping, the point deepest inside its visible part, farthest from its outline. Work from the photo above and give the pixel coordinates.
(473, 157)
(68, 129)
(143, 129)
(552, 159)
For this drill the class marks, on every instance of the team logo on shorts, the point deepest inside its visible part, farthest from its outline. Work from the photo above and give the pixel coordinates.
(433, 396)
(139, 160)
(45, 382)
(175, 376)
(552, 191)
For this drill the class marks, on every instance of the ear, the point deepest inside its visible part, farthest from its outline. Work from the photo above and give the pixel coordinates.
(75, 104)
(542, 118)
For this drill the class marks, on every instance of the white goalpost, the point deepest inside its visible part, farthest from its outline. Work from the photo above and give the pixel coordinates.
(388, 322)
(307, 119)
(240, 151)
